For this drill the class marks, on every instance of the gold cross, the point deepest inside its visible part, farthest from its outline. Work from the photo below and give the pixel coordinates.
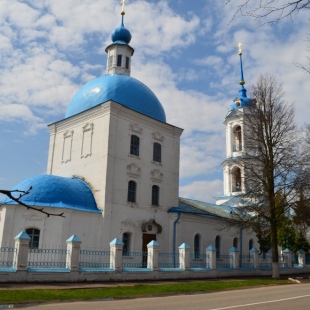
(239, 46)
(123, 6)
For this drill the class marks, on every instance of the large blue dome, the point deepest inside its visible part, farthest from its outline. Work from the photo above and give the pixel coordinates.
(122, 89)
(55, 191)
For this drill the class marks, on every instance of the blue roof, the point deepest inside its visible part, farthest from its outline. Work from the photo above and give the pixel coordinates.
(244, 100)
(121, 35)
(122, 89)
(55, 191)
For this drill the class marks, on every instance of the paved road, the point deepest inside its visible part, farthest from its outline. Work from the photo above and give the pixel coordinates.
(296, 296)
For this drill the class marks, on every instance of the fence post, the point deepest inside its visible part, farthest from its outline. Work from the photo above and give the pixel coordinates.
(211, 256)
(21, 255)
(116, 256)
(73, 253)
(184, 256)
(288, 254)
(301, 258)
(254, 252)
(234, 252)
(153, 254)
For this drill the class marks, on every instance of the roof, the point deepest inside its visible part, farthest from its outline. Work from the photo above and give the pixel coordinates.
(55, 191)
(195, 207)
(122, 89)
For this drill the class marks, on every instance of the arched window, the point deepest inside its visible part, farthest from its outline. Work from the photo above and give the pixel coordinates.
(34, 234)
(218, 246)
(126, 241)
(132, 190)
(157, 152)
(134, 145)
(237, 139)
(236, 179)
(197, 246)
(235, 242)
(155, 195)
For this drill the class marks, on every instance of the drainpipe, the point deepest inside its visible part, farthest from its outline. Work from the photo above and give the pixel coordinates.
(174, 238)
(240, 253)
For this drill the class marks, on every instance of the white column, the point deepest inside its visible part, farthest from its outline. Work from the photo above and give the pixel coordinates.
(301, 258)
(116, 256)
(254, 253)
(73, 255)
(235, 257)
(288, 254)
(153, 254)
(184, 256)
(211, 257)
(21, 255)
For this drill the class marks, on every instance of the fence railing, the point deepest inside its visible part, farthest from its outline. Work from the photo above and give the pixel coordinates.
(169, 260)
(199, 260)
(224, 262)
(246, 261)
(95, 259)
(7, 257)
(265, 261)
(135, 259)
(47, 258)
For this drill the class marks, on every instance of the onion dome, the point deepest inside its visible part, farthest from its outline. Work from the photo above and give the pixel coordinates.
(121, 35)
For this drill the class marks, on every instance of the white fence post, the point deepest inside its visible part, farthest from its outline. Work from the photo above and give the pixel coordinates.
(184, 256)
(21, 255)
(254, 253)
(288, 254)
(73, 254)
(211, 256)
(116, 256)
(301, 258)
(234, 252)
(153, 255)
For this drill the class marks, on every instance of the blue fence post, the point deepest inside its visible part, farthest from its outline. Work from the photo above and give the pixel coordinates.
(73, 253)
(153, 254)
(116, 256)
(211, 256)
(184, 256)
(21, 255)
(234, 252)
(301, 258)
(254, 253)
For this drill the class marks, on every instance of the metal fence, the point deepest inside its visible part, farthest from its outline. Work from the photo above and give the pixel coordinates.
(95, 259)
(199, 260)
(265, 261)
(47, 258)
(169, 260)
(135, 259)
(307, 259)
(7, 257)
(224, 262)
(246, 262)
(283, 261)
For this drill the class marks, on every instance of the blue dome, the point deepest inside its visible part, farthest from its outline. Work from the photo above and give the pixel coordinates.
(244, 100)
(54, 191)
(121, 35)
(122, 89)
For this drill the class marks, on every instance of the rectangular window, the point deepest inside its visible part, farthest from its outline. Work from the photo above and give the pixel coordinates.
(155, 195)
(132, 188)
(127, 62)
(110, 62)
(134, 145)
(119, 60)
(157, 152)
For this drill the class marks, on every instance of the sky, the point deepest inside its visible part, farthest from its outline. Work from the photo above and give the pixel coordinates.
(185, 51)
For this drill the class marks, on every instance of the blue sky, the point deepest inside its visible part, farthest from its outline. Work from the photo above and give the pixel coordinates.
(185, 51)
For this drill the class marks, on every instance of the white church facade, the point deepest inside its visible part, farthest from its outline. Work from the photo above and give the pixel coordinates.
(113, 171)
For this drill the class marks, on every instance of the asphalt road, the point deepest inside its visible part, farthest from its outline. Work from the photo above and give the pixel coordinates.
(295, 296)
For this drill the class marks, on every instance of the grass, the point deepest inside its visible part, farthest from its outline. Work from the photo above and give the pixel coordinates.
(20, 296)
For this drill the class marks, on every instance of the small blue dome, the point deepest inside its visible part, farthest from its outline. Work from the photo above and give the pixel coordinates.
(122, 89)
(244, 100)
(55, 191)
(121, 35)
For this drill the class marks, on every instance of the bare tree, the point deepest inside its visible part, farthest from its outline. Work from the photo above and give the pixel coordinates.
(273, 10)
(270, 162)
(17, 195)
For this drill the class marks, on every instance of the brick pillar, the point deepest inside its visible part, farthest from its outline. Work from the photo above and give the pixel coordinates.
(234, 252)
(288, 254)
(153, 254)
(254, 253)
(301, 258)
(73, 254)
(211, 257)
(116, 256)
(184, 256)
(21, 255)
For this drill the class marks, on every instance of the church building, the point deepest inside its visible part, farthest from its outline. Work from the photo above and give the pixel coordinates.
(113, 171)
